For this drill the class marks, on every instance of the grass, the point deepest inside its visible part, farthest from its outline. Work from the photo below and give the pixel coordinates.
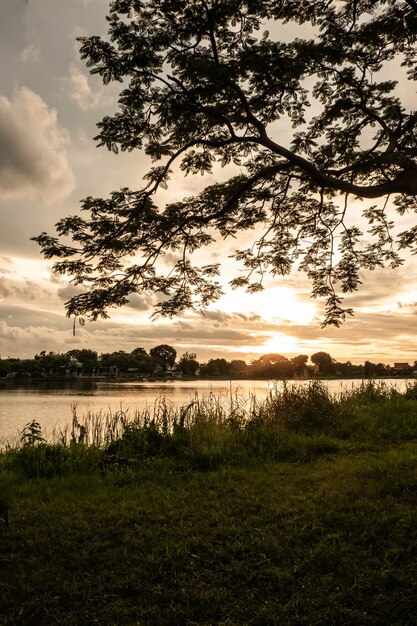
(300, 511)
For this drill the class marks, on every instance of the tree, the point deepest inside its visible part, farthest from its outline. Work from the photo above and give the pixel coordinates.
(142, 361)
(273, 358)
(87, 358)
(138, 360)
(163, 355)
(188, 364)
(120, 359)
(7, 366)
(324, 362)
(370, 369)
(272, 366)
(300, 363)
(215, 367)
(238, 367)
(52, 361)
(303, 124)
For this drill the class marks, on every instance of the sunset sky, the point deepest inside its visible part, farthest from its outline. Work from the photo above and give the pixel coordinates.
(49, 106)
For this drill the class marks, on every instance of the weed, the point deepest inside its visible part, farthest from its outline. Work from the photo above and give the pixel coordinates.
(31, 435)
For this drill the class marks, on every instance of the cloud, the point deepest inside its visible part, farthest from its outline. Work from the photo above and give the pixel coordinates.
(34, 338)
(170, 259)
(30, 315)
(5, 261)
(224, 318)
(141, 303)
(31, 52)
(207, 340)
(136, 302)
(81, 91)
(26, 330)
(24, 289)
(68, 291)
(33, 159)
(34, 317)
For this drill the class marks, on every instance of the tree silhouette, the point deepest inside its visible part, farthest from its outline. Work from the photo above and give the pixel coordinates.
(87, 358)
(163, 355)
(215, 367)
(272, 366)
(300, 363)
(302, 124)
(324, 362)
(238, 366)
(188, 364)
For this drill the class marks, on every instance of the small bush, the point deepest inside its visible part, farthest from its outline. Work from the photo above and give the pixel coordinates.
(411, 391)
(304, 409)
(48, 460)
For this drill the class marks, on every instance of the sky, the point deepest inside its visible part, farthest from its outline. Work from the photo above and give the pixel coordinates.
(49, 107)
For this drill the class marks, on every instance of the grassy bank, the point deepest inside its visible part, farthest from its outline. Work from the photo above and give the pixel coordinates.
(297, 510)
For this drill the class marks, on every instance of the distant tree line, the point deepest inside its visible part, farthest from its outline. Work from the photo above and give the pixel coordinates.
(161, 361)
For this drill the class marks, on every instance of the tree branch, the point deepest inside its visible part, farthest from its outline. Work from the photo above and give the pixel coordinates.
(405, 183)
(412, 4)
(211, 33)
(246, 186)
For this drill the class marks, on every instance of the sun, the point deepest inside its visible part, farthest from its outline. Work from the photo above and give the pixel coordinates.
(281, 344)
(280, 305)
(278, 343)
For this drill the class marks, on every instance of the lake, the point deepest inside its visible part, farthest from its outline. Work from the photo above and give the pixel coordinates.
(50, 403)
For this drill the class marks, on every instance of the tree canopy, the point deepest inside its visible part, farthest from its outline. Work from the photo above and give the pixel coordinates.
(303, 119)
(164, 355)
(324, 362)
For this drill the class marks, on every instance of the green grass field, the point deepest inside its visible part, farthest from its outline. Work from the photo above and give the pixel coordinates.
(305, 513)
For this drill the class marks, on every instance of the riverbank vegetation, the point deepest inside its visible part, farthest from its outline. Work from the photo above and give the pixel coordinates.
(162, 362)
(299, 509)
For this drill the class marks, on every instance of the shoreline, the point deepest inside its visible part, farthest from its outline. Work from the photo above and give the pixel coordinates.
(123, 379)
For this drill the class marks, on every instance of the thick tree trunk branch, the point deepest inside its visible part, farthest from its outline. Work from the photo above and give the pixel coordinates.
(405, 183)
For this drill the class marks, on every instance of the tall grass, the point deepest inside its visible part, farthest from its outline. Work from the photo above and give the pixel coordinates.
(293, 423)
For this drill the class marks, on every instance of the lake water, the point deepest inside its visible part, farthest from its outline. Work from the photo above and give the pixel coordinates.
(50, 403)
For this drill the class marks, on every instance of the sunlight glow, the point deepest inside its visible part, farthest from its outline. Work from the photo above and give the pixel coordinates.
(30, 269)
(278, 343)
(276, 305)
